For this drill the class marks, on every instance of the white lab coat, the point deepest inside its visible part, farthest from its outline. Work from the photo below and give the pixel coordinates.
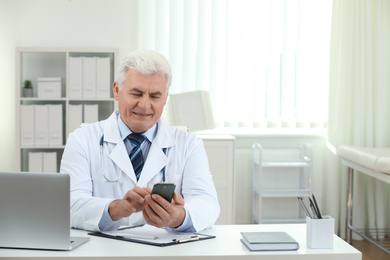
(185, 164)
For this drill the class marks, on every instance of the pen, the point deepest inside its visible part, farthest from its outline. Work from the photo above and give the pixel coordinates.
(193, 238)
(300, 199)
(313, 209)
(316, 205)
(134, 236)
(123, 228)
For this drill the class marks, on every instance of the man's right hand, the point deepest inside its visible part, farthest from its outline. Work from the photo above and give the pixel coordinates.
(132, 202)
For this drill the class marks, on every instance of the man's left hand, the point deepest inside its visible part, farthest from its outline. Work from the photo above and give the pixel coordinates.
(160, 213)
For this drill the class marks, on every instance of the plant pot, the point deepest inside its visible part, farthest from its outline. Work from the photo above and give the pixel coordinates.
(27, 92)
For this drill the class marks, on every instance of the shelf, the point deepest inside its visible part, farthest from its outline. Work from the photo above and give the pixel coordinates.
(272, 193)
(280, 175)
(283, 221)
(39, 127)
(42, 99)
(43, 147)
(285, 164)
(66, 99)
(90, 99)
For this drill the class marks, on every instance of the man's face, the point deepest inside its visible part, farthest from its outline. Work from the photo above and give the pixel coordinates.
(141, 100)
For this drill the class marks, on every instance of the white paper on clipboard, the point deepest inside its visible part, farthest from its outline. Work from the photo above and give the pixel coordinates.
(156, 236)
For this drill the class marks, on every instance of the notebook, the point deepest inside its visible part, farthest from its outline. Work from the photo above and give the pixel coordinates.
(269, 241)
(35, 211)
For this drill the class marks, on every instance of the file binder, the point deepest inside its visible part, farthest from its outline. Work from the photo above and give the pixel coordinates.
(75, 118)
(27, 125)
(41, 125)
(103, 72)
(35, 161)
(91, 113)
(89, 77)
(55, 125)
(49, 162)
(75, 77)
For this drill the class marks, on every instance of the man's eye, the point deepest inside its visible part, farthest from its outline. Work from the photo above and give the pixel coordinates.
(137, 94)
(155, 96)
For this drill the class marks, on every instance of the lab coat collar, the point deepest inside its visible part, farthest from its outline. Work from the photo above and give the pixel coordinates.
(125, 131)
(119, 153)
(156, 159)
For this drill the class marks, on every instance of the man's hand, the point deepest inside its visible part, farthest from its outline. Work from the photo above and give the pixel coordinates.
(132, 202)
(160, 213)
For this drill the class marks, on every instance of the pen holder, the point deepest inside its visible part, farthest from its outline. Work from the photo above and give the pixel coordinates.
(320, 232)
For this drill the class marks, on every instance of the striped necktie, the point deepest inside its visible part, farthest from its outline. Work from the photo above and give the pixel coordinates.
(136, 158)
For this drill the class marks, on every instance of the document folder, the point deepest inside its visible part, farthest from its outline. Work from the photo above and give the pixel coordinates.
(49, 162)
(75, 117)
(75, 77)
(55, 124)
(154, 236)
(103, 80)
(27, 125)
(41, 125)
(35, 161)
(89, 77)
(91, 113)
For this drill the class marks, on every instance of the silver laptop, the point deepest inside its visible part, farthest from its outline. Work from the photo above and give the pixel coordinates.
(35, 211)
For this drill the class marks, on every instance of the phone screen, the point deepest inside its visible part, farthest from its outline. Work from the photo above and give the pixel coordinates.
(165, 190)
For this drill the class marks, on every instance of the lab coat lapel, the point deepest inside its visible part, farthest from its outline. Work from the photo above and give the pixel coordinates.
(154, 163)
(118, 154)
(156, 159)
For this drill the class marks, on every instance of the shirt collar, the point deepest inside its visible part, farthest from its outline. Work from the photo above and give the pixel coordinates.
(125, 131)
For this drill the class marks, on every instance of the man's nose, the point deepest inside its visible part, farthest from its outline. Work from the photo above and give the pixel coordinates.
(144, 102)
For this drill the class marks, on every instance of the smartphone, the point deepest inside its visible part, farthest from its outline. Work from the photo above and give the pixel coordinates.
(165, 190)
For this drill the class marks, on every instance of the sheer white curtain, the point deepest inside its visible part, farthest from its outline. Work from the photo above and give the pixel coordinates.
(265, 63)
(359, 105)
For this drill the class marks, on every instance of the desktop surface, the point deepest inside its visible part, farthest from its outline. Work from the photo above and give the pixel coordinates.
(226, 245)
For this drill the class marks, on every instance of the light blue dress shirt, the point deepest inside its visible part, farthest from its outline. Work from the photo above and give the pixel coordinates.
(106, 223)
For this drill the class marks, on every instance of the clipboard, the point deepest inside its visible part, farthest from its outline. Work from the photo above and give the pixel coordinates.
(149, 235)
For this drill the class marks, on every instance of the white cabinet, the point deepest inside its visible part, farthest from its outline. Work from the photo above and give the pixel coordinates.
(280, 175)
(220, 152)
(58, 77)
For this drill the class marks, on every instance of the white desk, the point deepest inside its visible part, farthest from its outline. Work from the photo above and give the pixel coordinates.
(226, 245)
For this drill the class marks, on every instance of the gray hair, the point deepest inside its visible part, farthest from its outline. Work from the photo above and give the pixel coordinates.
(146, 62)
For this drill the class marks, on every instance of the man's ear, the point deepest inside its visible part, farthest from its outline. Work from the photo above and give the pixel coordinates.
(115, 90)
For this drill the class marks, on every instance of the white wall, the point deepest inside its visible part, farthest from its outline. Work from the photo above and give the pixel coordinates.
(55, 23)
(7, 90)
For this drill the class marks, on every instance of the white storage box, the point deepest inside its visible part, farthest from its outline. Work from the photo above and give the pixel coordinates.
(49, 87)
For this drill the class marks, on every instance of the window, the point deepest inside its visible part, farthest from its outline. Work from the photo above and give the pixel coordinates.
(264, 62)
